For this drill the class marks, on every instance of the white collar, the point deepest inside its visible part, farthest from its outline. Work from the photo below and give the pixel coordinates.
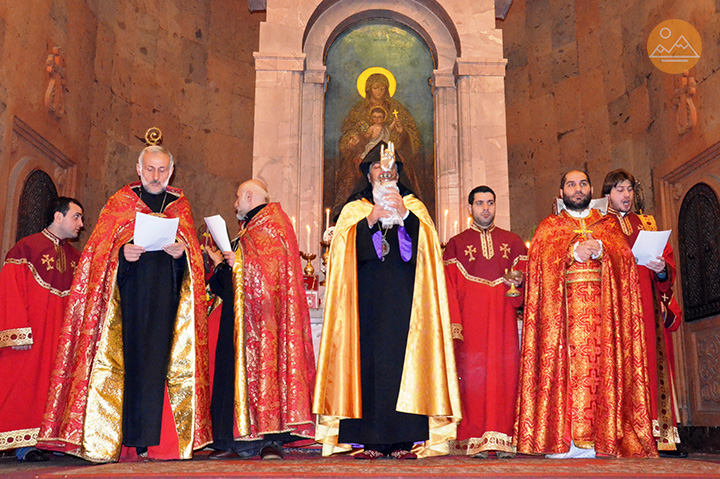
(595, 204)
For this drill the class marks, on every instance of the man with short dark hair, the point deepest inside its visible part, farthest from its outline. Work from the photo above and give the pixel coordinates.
(133, 354)
(386, 369)
(478, 265)
(34, 286)
(660, 312)
(583, 377)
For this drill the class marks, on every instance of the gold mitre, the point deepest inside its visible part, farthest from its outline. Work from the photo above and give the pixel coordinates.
(153, 136)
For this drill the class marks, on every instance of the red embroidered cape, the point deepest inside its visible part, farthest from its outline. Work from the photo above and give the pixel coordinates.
(656, 298)
(81, 417)
(34, 286)
(485, 330)
(620, 419)
(274, 394)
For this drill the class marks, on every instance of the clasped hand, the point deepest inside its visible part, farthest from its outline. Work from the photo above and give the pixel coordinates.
(132, 252)
(588, 248)
(394, 200)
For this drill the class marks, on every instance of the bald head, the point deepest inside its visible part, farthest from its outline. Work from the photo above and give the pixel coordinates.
(250, 195)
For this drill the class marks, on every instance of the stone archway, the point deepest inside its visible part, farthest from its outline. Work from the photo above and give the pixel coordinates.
(468, 91)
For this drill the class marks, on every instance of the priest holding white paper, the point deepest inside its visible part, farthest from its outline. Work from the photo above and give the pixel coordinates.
(133, 346)
(661, 315)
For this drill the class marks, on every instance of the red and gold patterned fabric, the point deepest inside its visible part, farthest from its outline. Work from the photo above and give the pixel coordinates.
(485, 334)
(656, 297)
(583, 367)
(34, 286)
(83, 415)
(275, 364)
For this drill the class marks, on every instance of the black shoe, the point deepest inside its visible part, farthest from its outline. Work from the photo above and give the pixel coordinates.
(677, 454)
(272, 451)
(34, 455)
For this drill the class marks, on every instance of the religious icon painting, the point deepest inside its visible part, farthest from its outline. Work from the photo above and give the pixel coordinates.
(378, 90)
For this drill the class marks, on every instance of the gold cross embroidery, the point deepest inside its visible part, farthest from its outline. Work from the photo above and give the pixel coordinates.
(506, 250)
(665, 298)
(469, 252)
(48, 262)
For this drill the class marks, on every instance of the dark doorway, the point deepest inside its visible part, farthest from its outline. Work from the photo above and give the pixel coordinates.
(37, 193)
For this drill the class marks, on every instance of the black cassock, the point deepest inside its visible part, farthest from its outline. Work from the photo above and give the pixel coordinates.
(385, 293)
(149, 299)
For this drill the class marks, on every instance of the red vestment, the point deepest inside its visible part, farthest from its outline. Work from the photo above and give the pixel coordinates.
(34, 286)
(484, 322)
(656, 296)
(275, 363)
(83, 415)
(583, 366)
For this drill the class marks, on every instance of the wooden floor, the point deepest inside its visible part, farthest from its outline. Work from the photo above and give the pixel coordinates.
(303, 464)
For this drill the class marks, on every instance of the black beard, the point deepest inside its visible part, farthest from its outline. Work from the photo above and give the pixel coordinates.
(580, 206)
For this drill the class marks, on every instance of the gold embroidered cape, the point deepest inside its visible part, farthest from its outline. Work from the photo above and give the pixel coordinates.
(619, 419)
(429, 383)
(83, 415)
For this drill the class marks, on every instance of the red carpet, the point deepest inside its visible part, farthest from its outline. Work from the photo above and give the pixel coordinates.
(306, 465)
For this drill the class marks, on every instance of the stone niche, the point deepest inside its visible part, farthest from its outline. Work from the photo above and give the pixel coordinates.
(31, 152)
(468, 101)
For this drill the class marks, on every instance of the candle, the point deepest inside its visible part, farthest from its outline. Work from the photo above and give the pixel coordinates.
(445, 225)
(308, 238)
(456, 227)
(294, 227)
(469, 221)
(327, 218)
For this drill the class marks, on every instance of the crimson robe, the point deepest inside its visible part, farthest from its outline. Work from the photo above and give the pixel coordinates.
(484, 322)
(34, 286)
(83, 415)
(583, 361)
(656, 296)
(274, 358)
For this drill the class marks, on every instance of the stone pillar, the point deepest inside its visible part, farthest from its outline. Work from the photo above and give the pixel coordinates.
(311, 160)
(483, 138)
(276, 146)
(447, 192)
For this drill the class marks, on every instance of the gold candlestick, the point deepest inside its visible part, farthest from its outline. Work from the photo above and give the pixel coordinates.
(309, 270)
(324, 258)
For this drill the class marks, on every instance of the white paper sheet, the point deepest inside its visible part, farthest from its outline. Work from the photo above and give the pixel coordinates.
(649, 245)
(218, 229)
(154, 232)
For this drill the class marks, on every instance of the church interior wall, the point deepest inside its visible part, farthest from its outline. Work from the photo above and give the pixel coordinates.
(582, 93)
(186, 68)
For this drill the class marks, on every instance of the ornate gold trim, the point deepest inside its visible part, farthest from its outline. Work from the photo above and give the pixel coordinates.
(490, 441)
(37, 277)
(457, 330)
(18, 438)
(61, 263)
(470, 277)
(16, 337)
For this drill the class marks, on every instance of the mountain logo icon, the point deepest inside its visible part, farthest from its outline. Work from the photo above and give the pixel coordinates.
(674, 46)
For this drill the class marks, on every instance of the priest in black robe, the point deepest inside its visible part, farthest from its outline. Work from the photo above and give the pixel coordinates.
(385, 245)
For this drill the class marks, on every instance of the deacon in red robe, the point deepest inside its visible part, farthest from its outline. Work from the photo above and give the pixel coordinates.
(34, 286)
(656, 280)
(484, 322)
(583, 386)
(264, 362)
(131, 368)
